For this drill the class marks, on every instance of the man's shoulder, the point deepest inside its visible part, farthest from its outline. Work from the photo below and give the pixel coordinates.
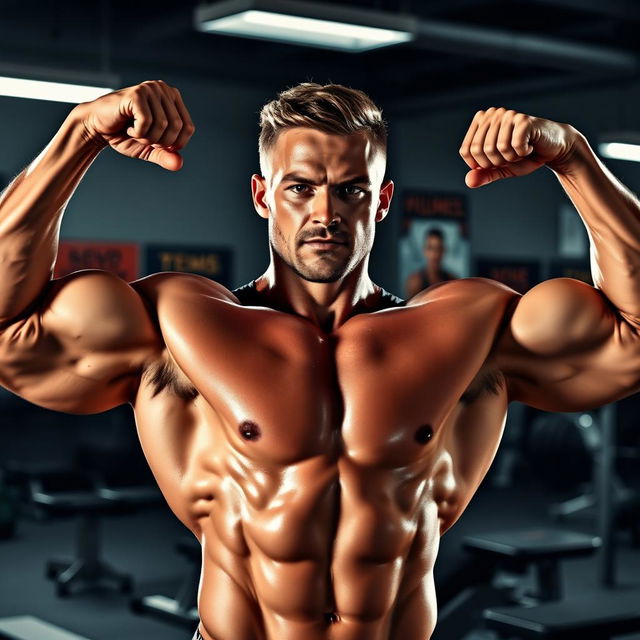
(174, 283)
(467, 290)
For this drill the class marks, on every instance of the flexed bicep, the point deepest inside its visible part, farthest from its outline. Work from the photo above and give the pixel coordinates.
(567, 348)
(81, 347)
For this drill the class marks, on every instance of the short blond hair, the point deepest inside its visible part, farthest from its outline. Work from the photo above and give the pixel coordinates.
(332, 108)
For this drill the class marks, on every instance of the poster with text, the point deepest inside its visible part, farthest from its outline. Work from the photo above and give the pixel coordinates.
(520, 275)
(212, 262)
(121, 258)
(434, 244)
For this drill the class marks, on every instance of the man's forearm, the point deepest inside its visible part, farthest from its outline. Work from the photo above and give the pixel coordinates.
(611, 214)
(31, 210)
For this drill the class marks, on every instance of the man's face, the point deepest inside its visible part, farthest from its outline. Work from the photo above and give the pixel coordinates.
(433, 250)
(322, 196)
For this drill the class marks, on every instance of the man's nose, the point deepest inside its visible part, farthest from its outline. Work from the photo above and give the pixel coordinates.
(324, 209)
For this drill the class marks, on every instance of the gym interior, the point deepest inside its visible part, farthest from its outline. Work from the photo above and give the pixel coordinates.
(550, 545)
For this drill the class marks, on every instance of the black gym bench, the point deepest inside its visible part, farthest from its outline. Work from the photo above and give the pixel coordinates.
(597, 616)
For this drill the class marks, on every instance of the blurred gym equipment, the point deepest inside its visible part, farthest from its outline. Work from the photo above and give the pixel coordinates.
(502, 555)
(72, 493)
(103, 481)
(182, 609)
(596, 616)
(563, 450)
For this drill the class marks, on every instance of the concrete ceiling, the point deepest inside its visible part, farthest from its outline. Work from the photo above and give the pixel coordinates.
(466, 48)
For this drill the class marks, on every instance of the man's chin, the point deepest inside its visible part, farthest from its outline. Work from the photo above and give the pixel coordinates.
(326, 276)
(322, 279)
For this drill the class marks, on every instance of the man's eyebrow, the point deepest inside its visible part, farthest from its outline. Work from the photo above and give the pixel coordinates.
(294, 177)
(358, 180)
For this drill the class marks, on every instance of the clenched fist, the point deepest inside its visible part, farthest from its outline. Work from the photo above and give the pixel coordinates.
(502, 143)
(148, 121)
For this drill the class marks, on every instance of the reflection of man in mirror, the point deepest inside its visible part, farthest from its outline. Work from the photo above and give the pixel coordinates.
(433, 250)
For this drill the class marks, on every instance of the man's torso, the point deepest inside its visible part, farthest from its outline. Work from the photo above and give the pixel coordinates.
(319, 470)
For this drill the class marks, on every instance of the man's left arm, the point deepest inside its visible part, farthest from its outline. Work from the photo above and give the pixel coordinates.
(568, 346)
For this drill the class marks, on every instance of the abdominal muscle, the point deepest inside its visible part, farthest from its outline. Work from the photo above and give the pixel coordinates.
(319, 550)
(322, 548)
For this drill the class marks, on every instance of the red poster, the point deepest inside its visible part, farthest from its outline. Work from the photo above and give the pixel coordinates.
(119, 258)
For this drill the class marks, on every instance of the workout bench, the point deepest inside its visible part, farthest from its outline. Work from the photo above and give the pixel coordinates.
(597, 616)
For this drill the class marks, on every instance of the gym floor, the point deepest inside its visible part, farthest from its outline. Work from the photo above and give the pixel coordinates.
(143, 544)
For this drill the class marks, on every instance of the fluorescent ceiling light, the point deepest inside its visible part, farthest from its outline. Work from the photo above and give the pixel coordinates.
(58, 85)
(54, 91)
(620, 150)
(305, 23)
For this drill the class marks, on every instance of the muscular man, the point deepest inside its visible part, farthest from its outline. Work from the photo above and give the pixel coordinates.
(317, 434)
(433, 250)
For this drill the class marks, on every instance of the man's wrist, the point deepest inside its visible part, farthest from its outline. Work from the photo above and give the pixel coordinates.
(575, 157)
(78, 122)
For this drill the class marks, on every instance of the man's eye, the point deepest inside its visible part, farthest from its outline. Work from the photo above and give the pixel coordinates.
(299, 188)
(351, 190)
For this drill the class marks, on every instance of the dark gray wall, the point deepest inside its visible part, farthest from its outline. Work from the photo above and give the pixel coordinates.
(515, 217)
(206, 202)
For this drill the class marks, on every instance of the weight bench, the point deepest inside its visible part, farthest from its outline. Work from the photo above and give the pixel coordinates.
(597, 616)
(542, 549)
(72, 493)
(30, 628)
(103, 482)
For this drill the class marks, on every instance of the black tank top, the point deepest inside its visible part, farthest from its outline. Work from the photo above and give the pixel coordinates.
(249, 297)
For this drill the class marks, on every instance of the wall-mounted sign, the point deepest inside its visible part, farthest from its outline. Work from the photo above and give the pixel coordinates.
(211, 262)
(435, 239)
(116, 257)
(520, 275)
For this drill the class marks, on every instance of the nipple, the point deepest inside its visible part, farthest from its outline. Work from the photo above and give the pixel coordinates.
(424, 434)
(331, 617)
(249, 430)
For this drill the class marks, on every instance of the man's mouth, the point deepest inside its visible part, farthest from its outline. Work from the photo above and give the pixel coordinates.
(324, 244)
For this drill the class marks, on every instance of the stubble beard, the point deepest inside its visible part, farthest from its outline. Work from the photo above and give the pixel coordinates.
(323, 269)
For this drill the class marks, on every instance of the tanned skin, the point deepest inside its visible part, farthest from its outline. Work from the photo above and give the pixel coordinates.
(317, 448)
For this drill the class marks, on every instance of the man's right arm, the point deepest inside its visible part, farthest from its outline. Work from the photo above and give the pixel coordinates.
(31, 210)
(78, 343)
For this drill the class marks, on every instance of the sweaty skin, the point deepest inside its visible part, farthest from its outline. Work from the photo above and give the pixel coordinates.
(317, 443)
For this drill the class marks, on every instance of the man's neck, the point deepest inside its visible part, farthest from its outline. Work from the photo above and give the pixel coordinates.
(327, 304)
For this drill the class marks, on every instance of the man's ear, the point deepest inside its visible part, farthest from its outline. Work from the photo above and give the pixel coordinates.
(386, 193)
(259, 194)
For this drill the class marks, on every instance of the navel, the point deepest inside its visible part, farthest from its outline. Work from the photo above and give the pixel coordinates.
(424, 434)
(249, 430)
(331, 617)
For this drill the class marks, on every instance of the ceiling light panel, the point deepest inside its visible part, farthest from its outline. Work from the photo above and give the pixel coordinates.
(305, 23)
